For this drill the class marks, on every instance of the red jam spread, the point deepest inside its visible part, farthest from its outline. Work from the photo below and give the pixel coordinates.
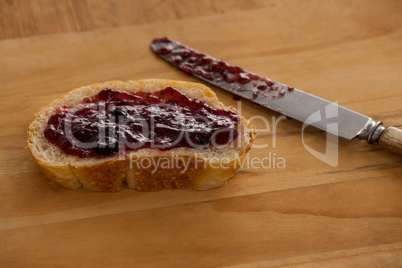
(217, 72)
(114, 122)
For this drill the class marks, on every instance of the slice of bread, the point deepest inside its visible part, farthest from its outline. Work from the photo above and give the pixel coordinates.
(145, 169)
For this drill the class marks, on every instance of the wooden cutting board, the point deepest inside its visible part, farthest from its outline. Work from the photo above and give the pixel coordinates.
(302, 212)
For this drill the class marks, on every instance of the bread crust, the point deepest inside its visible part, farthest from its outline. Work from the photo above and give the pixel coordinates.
(200, 173)
(60, 174)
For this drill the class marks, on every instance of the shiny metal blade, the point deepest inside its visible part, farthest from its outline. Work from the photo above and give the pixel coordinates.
(276, 96)
(319, 113)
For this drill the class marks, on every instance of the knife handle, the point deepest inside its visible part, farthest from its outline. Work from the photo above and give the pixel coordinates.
(391, 140)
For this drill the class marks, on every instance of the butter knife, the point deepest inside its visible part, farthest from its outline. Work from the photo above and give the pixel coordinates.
(276, 96)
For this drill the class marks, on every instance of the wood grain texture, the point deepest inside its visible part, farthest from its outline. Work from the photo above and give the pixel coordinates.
(391, 140)
(308, 214)
(24, 18)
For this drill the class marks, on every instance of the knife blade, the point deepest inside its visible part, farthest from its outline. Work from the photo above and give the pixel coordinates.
(276, 96)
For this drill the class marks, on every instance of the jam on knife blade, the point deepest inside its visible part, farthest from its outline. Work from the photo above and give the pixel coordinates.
(217, 72)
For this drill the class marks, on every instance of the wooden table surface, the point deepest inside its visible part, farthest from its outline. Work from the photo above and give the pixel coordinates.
(304, 214)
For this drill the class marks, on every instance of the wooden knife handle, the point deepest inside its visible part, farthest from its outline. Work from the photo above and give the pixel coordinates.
(391, 140)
